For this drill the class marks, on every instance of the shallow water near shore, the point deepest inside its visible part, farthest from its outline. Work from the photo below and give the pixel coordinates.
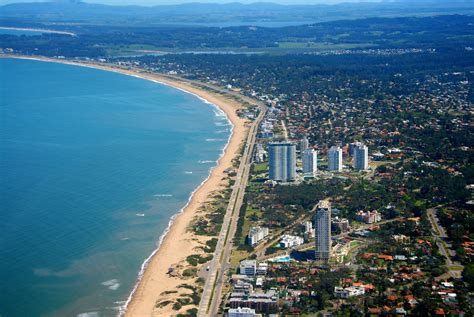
(93, 164)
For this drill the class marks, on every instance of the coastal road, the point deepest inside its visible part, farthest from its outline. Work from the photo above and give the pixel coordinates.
(439, 233)
(212, 292)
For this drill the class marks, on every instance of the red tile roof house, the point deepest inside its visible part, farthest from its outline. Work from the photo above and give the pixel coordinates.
(392, 298)
(374, 311)
(367, 256)
(385, 257)
(367, 287)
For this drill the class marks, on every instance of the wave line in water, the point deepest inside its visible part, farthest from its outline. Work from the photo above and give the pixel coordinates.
(206, 162)
(112, 284)
(215, 140)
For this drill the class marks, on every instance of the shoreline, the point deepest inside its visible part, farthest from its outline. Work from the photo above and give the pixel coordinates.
(153, 278)
(37, 30)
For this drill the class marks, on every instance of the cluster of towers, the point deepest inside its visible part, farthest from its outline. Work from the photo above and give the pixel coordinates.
(358, 151)
(282, 159)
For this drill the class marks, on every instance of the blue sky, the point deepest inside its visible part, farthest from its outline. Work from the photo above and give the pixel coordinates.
(158, 2)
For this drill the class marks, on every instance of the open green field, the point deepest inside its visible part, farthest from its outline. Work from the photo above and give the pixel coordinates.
(260, 168)
(237, 256)
(283, 48)
(251, 214)
(322, 46)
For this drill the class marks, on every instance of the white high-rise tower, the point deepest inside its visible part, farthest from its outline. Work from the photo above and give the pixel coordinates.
(304, 144)
(335, 159)
(282, 161)
(361, 157)
(310, 162)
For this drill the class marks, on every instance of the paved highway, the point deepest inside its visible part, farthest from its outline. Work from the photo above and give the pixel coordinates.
(439, 233)
(212, 292)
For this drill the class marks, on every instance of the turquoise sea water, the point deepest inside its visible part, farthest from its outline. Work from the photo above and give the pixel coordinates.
(92, 166)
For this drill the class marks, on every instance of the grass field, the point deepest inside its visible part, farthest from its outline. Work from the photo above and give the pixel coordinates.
(260, 168)
(322, 46)
(283, 48)
(237, 256)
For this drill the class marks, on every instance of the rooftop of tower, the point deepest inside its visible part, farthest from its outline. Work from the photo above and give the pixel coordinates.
(324, 204)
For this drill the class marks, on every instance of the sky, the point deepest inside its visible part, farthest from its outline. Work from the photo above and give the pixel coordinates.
(158, 2)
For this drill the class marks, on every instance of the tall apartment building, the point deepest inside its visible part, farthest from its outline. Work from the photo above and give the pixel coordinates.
(310, 162)
(322, 222)
(282, 161)
(352, 147)
(304, 145)
(335, 159)
(361, 157)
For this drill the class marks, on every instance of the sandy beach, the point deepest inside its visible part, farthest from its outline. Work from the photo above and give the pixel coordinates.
(178, 242)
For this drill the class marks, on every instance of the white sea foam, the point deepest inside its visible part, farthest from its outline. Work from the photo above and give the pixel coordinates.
(89, 314)
(163, 195)
(114, 287)
(220, 113)
(140, 215)
(206, 162)
(188, 172)
(112, 284)
(215, 140)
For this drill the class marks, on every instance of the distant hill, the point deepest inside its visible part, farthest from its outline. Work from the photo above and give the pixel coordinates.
(227, 14)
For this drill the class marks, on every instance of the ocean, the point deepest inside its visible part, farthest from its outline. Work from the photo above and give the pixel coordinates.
(93, 164)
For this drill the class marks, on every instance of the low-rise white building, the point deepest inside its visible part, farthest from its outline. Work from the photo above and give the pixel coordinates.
(288, 241)
(308, 230)
(368, 216)
(262, 268)
(256, 234)
(341, 223)
(347, 292)
(248, 267)
(252, 268)
(260, 153)
(241, 312)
